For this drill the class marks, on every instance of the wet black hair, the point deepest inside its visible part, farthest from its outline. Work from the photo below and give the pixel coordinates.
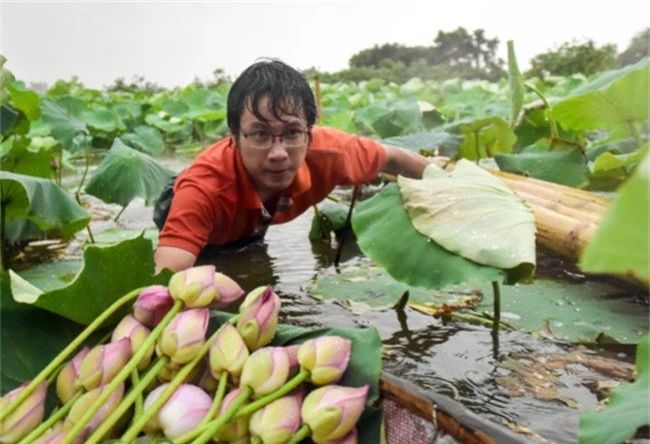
(287, 89)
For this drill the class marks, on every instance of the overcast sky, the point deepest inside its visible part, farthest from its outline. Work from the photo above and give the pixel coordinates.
(171, 43)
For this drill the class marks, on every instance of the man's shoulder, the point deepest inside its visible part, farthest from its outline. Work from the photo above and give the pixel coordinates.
(214, 169)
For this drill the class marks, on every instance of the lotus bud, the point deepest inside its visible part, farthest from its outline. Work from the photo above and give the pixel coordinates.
(50, 438)
(167, 373)
(182, 412)
(351, 438)
(204, 378)
(129, 327)
(102, 363)
(67, 377)
(278, 421)
(183, 336)
(152, 305)
(202, 286)
(82, 405)
(228, 352)
(294, 365)
(332, 411)
(236, 429)
(326, 358)
(266, 370)
(258, 317)
(27, 416)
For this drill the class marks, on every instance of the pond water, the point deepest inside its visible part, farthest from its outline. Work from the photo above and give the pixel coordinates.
(457, 359)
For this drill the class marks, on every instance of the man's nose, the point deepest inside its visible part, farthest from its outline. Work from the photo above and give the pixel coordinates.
(277, 149)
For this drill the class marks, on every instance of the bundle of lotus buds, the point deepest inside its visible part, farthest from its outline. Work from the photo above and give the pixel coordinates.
(158, 375)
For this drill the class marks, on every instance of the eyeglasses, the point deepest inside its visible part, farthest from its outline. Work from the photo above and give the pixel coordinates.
(263, 140)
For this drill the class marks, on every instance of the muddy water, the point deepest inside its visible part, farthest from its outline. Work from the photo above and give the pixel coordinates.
(457, 359)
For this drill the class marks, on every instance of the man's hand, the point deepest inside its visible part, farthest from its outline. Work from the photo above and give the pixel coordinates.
(441, 161)
(176, 259)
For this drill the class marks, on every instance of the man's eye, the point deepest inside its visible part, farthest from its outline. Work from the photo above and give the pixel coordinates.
(292, 133)
(259, 134)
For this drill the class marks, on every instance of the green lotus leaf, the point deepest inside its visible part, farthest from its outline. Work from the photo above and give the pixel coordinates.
(471, 213)
(64, 127)
(564, 166)
(125, 174)
(6, 78)
(108, 272)
(621, 242)
(332, 218)
(172, 125)
(627, 409)
(145, 138)
(389, 119)
(485, 138)
(41, 202)
(516, 89)
(103, 119)
(447, 143)
(385, 233)
(608, 162)
(25, 100)
(621, 102)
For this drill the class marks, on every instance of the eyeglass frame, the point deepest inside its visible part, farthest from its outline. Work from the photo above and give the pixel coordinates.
(273, 136)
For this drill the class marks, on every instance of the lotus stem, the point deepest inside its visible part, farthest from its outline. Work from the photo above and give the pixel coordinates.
(123, 374)
(54, 417)
(554, 131)
(134, 395)
(72, 346)
(139, 402)
(180, 377)
(214, 426)
(277, 394)
(216, 403)
(302, 433)
(496, 289)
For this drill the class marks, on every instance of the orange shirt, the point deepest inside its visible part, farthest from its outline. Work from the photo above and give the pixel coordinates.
(215, 202)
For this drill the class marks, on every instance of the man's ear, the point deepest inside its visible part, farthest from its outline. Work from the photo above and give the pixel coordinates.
(233, 136)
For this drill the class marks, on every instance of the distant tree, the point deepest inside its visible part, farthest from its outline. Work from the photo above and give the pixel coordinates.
(372, 57)
(574, 58)
(460, 48)
(137, 83)
(638, 49)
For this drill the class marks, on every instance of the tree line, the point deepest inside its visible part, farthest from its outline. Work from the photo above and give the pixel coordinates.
(472, 55)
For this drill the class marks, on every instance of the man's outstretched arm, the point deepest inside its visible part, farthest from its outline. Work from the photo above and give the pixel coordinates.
(400, 161)
(175, 259)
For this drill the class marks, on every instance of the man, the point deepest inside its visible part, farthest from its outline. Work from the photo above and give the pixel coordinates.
(273, 167)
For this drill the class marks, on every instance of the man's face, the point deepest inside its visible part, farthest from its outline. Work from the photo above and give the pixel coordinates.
(272, 168)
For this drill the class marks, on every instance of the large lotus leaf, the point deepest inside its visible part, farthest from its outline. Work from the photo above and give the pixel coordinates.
(42, 202)
(608, 164)
(107, 273)
(343, 120)
(627, 410)
(371, 286)
(8, 118)
(485, 138)
(63, 126)
(603, 80)
(145, 138)
(165, 123)
(103, 119)
(385, 233)
(446, 143)
(125, 174)
(18, 156)
(25, 100)
(389, 119)
(621, 242)
(202, 103)
(364, 366)
(576, 312)
(473, 214)
(563, 166)
(622, 102)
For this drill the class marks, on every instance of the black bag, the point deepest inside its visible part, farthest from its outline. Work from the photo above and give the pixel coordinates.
(164, 203)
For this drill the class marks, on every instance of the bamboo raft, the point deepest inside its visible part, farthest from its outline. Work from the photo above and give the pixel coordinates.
(416, 416)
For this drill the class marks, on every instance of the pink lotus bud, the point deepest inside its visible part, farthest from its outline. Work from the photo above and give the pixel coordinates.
(228, 352)
(326, 358)
(294, 365)
(167, 373)
(266, 370)
(278, 421)
(27, 416)
(152, 305)
(183, 337)
(235, 429)
(130, 328)
(204, 378)
(182, 412)
(67, 378)
(102, 363)
(50, 438)
(258, 319)
(332, 411)
(202, 286)
(350, 438)
(82, 405)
